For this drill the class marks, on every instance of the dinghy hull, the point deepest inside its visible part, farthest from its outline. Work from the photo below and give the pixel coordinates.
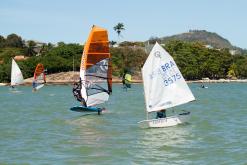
(166, 122)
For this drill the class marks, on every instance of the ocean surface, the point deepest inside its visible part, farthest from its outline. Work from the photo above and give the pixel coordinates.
(39, 128)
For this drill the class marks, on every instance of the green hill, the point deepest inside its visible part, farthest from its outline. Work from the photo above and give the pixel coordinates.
(203, 36)
(207, 38)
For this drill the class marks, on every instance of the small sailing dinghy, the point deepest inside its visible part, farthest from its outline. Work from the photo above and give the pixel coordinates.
(164, 87)
(38, 77)
(16, 76)
(95, 84)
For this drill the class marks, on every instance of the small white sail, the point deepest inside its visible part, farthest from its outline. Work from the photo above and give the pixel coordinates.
(164, 85)
(16, 75)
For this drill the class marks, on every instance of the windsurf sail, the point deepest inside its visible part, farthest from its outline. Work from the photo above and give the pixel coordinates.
(95, 71)
(16, 75)
(164, 85)
(39, 77)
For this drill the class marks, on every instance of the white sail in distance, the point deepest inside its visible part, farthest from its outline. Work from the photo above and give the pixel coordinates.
(16, 75)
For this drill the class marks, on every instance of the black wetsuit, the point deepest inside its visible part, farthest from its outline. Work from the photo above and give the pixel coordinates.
(77, 94)
(123, 79)
(161, 114)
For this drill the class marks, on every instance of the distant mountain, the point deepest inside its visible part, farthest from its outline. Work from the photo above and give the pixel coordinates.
(203, 36)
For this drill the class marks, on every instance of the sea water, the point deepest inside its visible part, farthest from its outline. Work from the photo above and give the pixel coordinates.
(39, 128)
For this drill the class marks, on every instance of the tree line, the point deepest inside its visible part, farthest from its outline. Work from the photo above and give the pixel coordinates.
(194, 59)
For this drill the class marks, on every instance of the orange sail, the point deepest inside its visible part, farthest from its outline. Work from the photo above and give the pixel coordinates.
(39, 77)
(96, 70)
(96, 49)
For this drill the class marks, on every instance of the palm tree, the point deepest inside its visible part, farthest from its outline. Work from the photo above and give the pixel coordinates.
(119, 28)
(30, 48)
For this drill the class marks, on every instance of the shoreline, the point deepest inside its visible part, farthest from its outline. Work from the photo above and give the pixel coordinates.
(67, 78)
(119, 81)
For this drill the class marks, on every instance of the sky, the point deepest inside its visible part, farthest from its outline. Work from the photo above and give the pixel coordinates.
(70, 21)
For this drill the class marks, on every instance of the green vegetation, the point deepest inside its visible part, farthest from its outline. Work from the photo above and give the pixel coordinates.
(207, 38)
(193, 58)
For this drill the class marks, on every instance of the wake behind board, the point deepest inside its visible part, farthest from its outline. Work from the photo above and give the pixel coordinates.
(81, 108)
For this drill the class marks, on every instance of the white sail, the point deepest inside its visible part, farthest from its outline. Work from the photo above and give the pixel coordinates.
(16, 75)
(83, 77)
(164, 85)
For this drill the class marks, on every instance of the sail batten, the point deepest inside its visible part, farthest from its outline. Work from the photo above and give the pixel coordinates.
(164, 84)
(95, 52)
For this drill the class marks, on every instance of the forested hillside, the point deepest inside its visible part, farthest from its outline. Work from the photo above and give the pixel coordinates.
(193, 58)
(206, 38)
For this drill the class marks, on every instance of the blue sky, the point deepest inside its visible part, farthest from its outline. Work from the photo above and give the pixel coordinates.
(71, 20)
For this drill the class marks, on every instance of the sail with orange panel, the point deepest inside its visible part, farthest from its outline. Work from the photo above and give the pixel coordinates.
(95, 71)
(39, 77)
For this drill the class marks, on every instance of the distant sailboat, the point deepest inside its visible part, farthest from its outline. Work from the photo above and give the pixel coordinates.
(164, 87)
(203, 86)
(95, 83)
(39, 77)
(16, 75)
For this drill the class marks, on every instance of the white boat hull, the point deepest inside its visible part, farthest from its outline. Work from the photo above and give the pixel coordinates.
(166, 122)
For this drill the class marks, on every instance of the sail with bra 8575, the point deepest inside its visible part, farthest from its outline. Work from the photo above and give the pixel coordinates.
(164, 85)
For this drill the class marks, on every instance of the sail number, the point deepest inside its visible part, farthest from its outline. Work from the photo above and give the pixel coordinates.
(172, 79)
(170, 74)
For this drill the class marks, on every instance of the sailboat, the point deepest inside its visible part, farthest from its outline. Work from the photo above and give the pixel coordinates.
(95, 84)
(164, 87)
(39, 77)
(16, 75)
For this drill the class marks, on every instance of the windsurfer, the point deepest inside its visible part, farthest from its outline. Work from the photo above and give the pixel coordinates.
(77, 94)
(161, 114)
(34, 84)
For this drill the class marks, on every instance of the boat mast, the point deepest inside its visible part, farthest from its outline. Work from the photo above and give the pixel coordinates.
(73, 69)
(145, 100)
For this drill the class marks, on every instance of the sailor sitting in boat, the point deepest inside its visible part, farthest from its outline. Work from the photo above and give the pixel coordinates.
(161, 114)
(34, 84)
(77, 94)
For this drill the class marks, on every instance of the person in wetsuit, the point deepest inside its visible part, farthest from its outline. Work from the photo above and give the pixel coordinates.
(161, 114)
(123, 80)
(77, 94)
